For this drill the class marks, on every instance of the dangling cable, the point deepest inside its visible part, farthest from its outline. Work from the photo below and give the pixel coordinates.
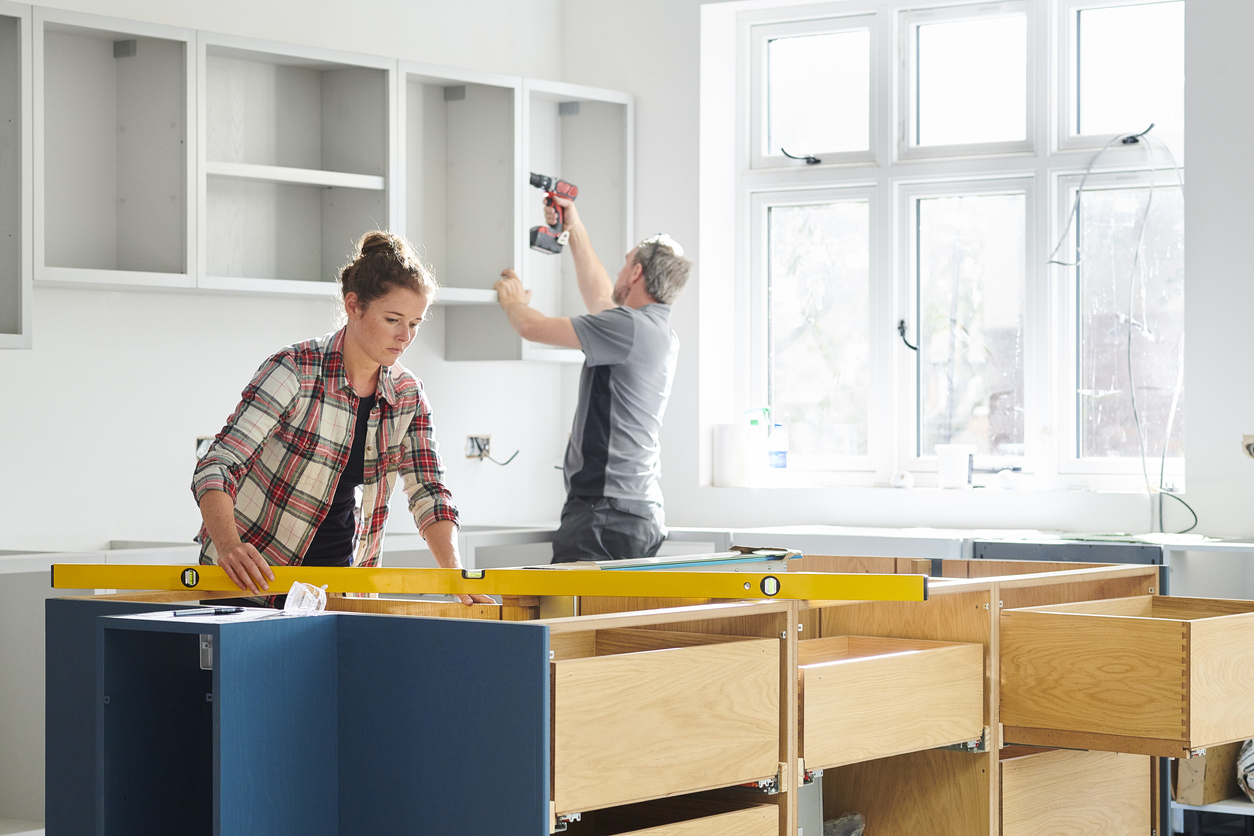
(1125, 139)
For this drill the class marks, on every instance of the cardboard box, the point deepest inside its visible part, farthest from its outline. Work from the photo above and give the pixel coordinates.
(1207, 778)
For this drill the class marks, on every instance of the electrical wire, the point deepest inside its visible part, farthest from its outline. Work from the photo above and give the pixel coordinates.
(481, 450)
(1131, 139)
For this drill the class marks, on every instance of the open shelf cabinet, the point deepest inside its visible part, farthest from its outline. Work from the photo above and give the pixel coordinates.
(113, 140)
(296, 162)
(15, 175)
(460, 139)
(583, 135)
(580, 134)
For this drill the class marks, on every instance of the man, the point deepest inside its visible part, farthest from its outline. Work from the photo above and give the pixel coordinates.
(613, 461)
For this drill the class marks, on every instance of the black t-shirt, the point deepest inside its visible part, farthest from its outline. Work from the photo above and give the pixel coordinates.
(333, 543)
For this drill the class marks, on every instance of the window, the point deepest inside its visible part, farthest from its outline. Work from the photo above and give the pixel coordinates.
(970, 254)
(966, 80)
(969, 282)
(814, 91)
(816, 374)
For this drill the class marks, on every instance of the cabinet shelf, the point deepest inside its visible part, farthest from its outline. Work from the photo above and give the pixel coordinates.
(298, 176)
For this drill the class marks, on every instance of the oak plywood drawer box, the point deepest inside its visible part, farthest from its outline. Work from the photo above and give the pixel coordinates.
(1149, 675)
(706, 814)
(864, 698)
(1058, 792)
(643, 714)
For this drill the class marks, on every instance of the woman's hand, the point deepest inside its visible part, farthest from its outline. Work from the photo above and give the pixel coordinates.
(468, 600)
(246, 568)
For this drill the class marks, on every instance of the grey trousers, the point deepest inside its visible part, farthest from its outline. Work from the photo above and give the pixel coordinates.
(603, 528)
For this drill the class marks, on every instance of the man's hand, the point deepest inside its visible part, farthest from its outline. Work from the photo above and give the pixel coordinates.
(570, 215)
(510, 291)
(246, 568)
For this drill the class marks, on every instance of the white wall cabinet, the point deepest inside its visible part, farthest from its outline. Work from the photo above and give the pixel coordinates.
(16, 143)
(460, 135)
(296, 162)
(134, 155)
(584, 136)
(113, 143)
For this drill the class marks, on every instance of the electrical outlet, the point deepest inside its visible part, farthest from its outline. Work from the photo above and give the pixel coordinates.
(477, 446)
(202, 446)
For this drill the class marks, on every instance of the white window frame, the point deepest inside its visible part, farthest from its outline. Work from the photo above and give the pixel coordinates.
(908, 193)
(760, 35)
(759, 351)
(1049, 314)
(1067, 364)
(907, 96)
(1066, 80)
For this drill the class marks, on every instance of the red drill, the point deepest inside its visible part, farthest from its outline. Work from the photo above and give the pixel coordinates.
(549, 239)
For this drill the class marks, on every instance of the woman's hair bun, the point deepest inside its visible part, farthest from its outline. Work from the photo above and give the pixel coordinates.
(371, 277)
(377, 242)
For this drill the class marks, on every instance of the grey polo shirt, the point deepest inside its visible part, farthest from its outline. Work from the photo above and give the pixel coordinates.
(614, 449)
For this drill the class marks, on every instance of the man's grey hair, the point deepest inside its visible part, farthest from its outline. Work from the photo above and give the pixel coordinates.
(665, 268)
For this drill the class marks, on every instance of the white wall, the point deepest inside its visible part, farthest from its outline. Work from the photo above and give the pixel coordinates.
(98, 421)
(651, 48)
(1219, 297)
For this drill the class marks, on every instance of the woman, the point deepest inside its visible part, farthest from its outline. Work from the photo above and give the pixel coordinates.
(322, 418)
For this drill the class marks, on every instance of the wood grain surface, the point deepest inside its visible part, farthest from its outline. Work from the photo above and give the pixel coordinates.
(936, 792)
(647, 725)
(1106, 674)
(1067, 793)
(872, 698)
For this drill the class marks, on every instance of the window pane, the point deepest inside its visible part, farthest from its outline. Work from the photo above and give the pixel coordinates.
(971, 82)
(970, 284)
(819, 327)
(1131, 69)
(1116, 305)
(819, 93)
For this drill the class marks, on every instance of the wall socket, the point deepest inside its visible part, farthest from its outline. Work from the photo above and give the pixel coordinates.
(478, 446)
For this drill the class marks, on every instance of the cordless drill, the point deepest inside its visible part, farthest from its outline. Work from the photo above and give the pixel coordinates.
(549, 239)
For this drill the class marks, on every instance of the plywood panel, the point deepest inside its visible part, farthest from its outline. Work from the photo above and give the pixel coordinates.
(1102, 674)
(1078, 585)
(427, 609)
(958, 617)
(937, 792)
(1221, 678)
(263, 230)
(1066, 793)
(909, 695)
(646, 725)
(706, 814)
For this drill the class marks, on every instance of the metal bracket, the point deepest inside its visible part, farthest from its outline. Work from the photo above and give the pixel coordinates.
(809, 775)
(206, 651)
(564, 820)
(766, 786)
(1193, 753)
(976, 746)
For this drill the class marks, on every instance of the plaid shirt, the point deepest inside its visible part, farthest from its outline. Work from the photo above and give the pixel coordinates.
(281, 454)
